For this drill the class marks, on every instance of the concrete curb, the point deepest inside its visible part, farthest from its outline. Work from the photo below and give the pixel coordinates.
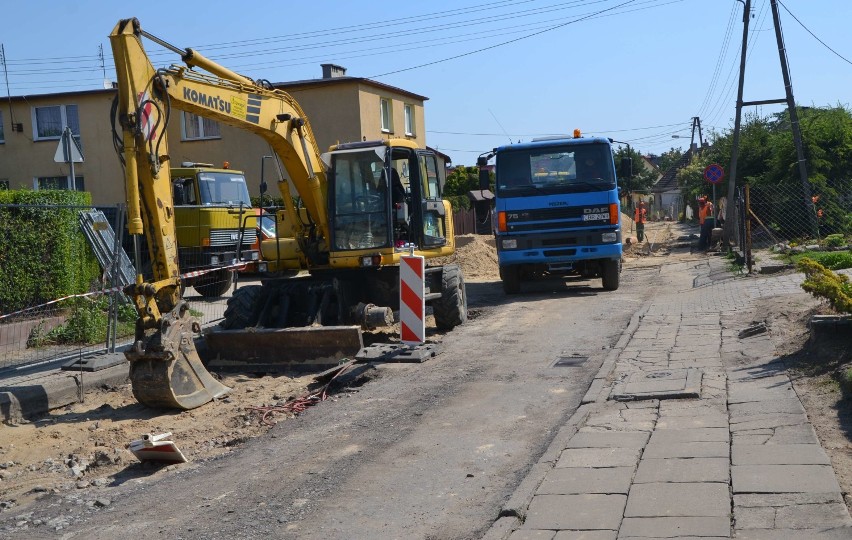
(34, 395)
(516, 506)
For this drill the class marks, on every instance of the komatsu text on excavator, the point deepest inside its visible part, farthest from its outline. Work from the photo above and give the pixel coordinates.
(334, 266)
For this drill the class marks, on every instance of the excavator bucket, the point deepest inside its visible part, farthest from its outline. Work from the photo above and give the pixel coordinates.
(283, 349)
(168, 372)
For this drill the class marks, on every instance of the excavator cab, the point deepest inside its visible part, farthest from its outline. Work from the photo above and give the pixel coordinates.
(384, 195)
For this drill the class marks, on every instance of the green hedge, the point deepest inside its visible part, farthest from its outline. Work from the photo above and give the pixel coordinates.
(43, 253)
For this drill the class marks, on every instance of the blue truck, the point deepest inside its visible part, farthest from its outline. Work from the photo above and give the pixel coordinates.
(556, 210)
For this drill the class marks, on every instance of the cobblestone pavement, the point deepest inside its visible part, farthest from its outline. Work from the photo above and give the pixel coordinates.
(691, 430)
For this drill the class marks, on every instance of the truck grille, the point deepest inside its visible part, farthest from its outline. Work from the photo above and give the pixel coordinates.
(543, 219)
(230, 237)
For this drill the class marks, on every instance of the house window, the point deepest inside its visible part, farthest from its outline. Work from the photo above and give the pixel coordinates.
(51, 121)
(386, 116)
(409, 120)
(196, 127)
(58, 182)
(2, 138)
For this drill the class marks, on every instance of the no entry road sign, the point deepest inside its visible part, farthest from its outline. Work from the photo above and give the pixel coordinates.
(714, 173)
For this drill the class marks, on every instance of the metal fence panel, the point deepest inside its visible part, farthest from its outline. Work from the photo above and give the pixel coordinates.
(102, 318)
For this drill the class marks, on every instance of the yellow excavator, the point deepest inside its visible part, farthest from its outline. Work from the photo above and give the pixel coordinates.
(333, 269)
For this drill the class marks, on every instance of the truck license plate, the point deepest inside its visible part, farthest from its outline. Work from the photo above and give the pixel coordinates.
(595, 217)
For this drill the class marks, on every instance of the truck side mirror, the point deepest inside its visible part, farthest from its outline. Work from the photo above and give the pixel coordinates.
(484, 179)
(481, 161)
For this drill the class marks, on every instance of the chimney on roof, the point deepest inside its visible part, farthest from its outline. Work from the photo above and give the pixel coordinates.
(331, 71)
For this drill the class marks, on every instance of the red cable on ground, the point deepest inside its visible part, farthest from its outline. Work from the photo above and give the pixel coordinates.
(299, 404)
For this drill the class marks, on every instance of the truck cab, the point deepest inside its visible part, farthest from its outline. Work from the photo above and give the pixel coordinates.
(556, 210)
(215, 224)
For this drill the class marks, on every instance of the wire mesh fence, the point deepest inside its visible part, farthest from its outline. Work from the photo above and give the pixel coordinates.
(783, 213)
(80, 310)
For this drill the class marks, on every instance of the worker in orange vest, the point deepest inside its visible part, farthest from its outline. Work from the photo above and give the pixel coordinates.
(706, 221)
(640, 215)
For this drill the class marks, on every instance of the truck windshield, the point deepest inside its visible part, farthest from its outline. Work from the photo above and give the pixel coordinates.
(223, 188)
(555, 169)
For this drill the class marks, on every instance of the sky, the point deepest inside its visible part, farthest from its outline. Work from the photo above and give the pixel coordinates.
(495, 73)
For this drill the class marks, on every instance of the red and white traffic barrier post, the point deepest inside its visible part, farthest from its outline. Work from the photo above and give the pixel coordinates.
(412, 306)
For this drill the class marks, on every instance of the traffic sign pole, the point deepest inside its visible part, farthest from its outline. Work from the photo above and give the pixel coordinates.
(714, 173)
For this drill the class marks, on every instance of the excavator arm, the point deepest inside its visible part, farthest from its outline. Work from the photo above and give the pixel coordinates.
(166, 370)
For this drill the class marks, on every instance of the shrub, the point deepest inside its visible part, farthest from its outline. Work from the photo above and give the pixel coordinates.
(823, 283)
(43, 253)
(834, 240)
(833, 260)
(86, 323)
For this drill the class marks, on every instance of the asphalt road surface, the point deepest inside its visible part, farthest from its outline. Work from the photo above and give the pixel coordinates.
(428, 450)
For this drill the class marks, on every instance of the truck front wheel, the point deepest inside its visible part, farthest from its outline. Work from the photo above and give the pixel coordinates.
(451, 310)
(214, 284)
(610, 273)
(511, 276)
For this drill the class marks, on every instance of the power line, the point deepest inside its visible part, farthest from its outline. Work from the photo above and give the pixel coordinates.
(502, 43)
(814, 35)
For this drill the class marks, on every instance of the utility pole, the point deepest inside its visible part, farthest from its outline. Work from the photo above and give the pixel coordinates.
(794, 125)
(728, 231)
(794, 122)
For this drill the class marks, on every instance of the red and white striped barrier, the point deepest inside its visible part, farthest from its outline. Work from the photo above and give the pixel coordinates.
(412, 306)
(192, 274)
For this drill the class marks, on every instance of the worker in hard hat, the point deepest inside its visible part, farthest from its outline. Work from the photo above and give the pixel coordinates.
(640, 216)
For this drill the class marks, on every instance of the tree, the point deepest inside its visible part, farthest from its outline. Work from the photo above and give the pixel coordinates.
(669, 158)
(460, 181)
(641, 178)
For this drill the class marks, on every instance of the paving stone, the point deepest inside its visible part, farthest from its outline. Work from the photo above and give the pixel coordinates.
(791, 511)
(682, 470)
(663, 436)
(586, 535)
(574, 480)
(598, 457)
(675, 527)
(696, 499)
(772, 406)
(839, 533)
(760, 421)
(575, 512)
(523, 534)
(608, 439)
(689, 422)
(783, 479)
(686, 450)
(813, 516)
(779, 454)
(692, 407)
(754, 518)
(749, 500)
(798, 434)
